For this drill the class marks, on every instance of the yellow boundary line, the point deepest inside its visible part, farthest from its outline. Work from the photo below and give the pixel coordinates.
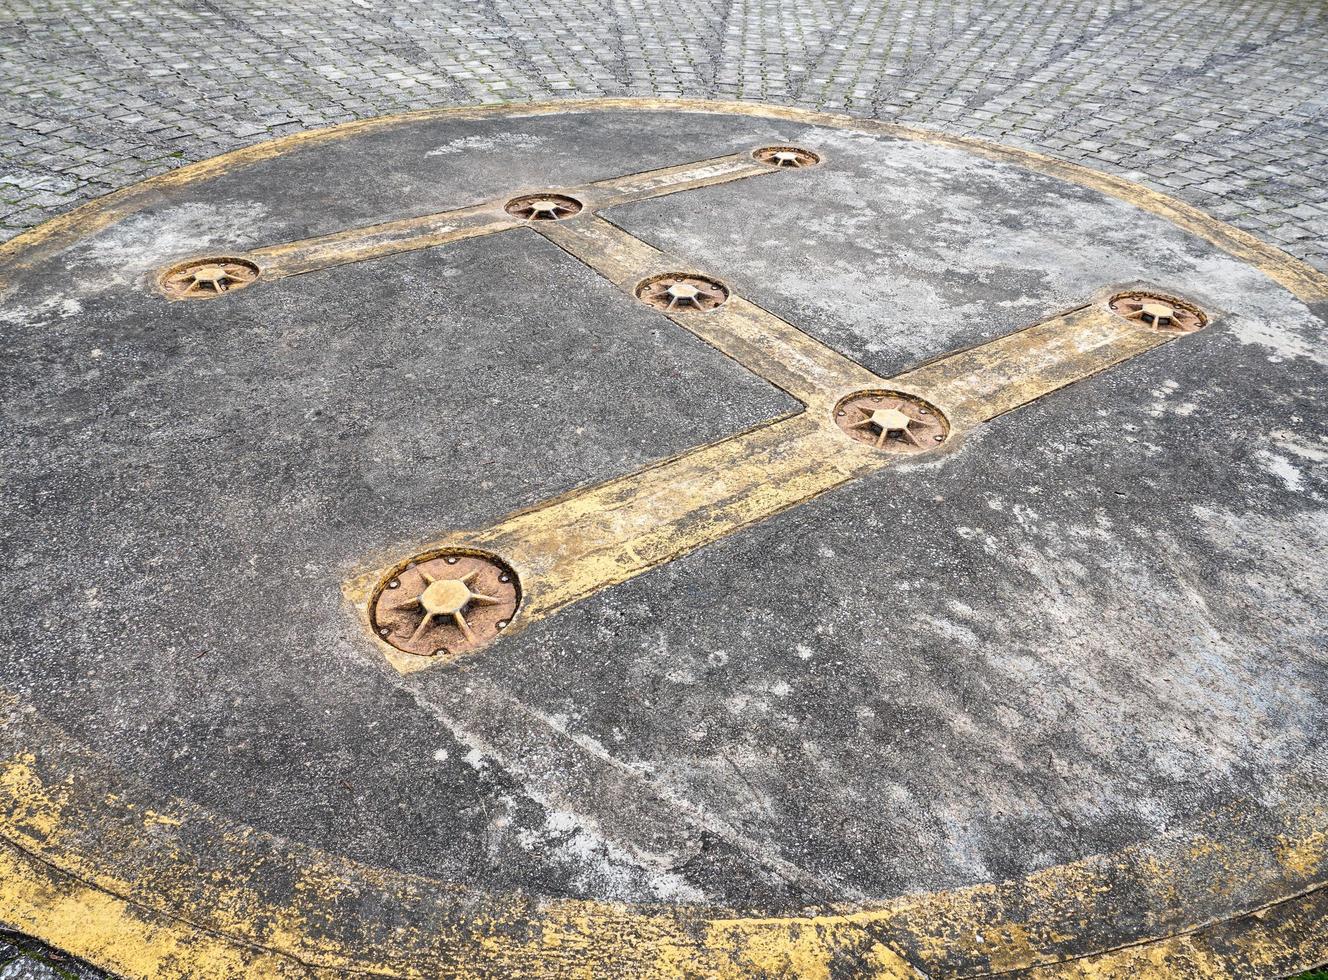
(121, 886)
(1300, 279)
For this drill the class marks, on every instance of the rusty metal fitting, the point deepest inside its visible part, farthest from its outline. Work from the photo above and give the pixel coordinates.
(788, 157)
(676, 291)
(543, 207)
(1159, 312)
(892, 421)
(446, 604)
(207, 278)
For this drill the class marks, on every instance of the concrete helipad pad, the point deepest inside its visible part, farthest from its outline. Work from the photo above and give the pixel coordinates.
(636, 539)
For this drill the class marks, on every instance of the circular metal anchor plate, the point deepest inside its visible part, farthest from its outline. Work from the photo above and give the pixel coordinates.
(1159, 312)
(892, 421)
(543, 207)
(683, 291)
(207, 278)
(447, 604)
(788, 157)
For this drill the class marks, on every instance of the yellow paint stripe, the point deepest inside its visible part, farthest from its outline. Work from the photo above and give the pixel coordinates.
(1276, 941)
(440, 228)
(582, 544)
(671, 180)
(1302, 280)
(983, 382)
(576, 545)
(766, 345)
(358, 244)
(253, 905)
(103, 876)
(116, 935)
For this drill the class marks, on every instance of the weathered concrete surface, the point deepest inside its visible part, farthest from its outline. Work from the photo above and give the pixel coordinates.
(1103, 617)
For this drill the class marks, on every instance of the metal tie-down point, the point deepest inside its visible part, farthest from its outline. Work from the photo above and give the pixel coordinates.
(448, 597)
(786, 157)
(887, 422)
(1159, 312)
(543, 207)
(892, 421)
(678, 290)
(211, 275)
(681, 292)
(207, 278)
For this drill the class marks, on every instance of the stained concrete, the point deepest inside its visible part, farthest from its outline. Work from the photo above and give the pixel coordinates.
(1102, 616)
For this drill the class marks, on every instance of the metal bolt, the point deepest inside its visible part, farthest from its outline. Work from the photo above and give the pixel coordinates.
(502, 624)
(440, 651)
(938, 437)
(383, 631)
(504, 577)
(394, 584)
(923, 411)
(840, 412)
(451, 559)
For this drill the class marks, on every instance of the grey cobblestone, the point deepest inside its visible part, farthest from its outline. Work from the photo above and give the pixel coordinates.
(1222, 103)
(24, 959)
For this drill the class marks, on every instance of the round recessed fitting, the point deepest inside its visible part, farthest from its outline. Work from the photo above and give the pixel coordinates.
(683, 291)
(892, 421)
(207, 278)
(543, 207)
(445, 605)
(1160, 312)
(791, 157)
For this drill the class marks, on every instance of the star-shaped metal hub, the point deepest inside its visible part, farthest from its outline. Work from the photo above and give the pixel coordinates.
(446, 605)
(1159, 312)
(543, 207)
(683, 291)
(207, 278)
(892, 421)
(789, 157)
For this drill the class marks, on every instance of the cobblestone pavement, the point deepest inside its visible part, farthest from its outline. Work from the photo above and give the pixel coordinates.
(1222, 103)
(23, 959)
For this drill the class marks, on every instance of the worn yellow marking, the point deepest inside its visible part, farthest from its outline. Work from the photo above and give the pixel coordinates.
(671, 180)
(981, 383)
(766, 345)
(358, 244)
(1302, 280)
(1276, 941)
(117, 935)
(569, 548)
(518, 935)
(488, 218)
(108, 882)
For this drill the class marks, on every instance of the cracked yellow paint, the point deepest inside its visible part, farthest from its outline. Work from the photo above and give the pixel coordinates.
(1300, 279)
(490, 218)
(573, 546)
(108, 879)
(128, 886)
(576, 545)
